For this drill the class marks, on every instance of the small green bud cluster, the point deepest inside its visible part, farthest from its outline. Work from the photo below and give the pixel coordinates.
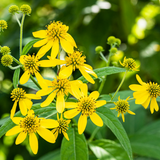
(99, 49)
(6, 60)
(113, 41)
(5, 50)
(26, 9)
(13, 9)
(3, 25)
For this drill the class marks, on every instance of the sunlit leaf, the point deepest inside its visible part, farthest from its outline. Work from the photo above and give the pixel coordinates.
(16, 77)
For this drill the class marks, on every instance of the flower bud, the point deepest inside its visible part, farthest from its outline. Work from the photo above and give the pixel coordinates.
(13, 9)
(6, 60)
(5, 50)
(111, 40)
(99, 49)
(113, 50)
(118, 41)
(26, 9)
(3, 25)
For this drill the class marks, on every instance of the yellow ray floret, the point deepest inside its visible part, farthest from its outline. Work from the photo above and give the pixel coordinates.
(146, 93)
(30, 125)
(86, 105)
(54, 36)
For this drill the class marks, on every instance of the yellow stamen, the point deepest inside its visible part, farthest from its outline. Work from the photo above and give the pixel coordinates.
(17, 94)
(153, 89)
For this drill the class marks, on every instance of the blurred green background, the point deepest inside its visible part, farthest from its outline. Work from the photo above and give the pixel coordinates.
(91, 22)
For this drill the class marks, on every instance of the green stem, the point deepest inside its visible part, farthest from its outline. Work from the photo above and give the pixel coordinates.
(21, 34)
(13, 68)
(103, 57)
(131, 99)
(120, 84)
(17, 20)
(93, 134)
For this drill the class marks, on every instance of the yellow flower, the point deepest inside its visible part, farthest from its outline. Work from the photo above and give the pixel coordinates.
(122, 106)
(31, 125)
(58, 87)
(62, 127)
(129, 63)
(31, 66)
(3, 25)
(19, 95)
(55, 33)
(146, 93)
(77, 61)
(86, 105)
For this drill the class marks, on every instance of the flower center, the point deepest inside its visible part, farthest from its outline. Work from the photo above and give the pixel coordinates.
(122, 106)
(30, 124)
(61, 86)
(63, 126)
(153, 89)
(75, 59)
(86, 105)
(30, 63)
(130, 63)
(17, 94)
(55, 30)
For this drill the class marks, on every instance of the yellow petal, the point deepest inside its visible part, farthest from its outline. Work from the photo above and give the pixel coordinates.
(40, 42)
(55, 132)
(44, 92)
(55, 48)
(84, 89)
(46, 134)
(65, 72)
(60, 103)
(71, 113)
(75, 91)
(130, 112)
(30, 112)
(154, 105)
(49, 99)
(32, 96)
(100, 103)
(82, 122)
(146, 103)
(65, 135)
(139, 80)
(142, 98)
(25, 77)
(66, 45)
(40, 34)
(69, 38)
(94, 95)
(33, 141)
(86, 75)
(49, 123)
(22, 59)
(96, 119)
(136, 87)
(21, 137)
(23, 107)
(14, 131)
(90, 71)
(13, 110)
(123, 117)
(71, 105)
(17, 120)
(43, 50)
(28, 103)
(46, 63)
(41, 80)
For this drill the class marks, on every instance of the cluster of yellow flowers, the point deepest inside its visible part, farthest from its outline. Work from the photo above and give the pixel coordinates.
(57, 38)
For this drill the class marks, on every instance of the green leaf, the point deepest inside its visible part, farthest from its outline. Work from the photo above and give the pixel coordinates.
(146, 145)
(16, 77)
(108, 150)
(55, 155)
(103, 72)
(112, 122)
(76, 148)
(8, 124)
(28, 46)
